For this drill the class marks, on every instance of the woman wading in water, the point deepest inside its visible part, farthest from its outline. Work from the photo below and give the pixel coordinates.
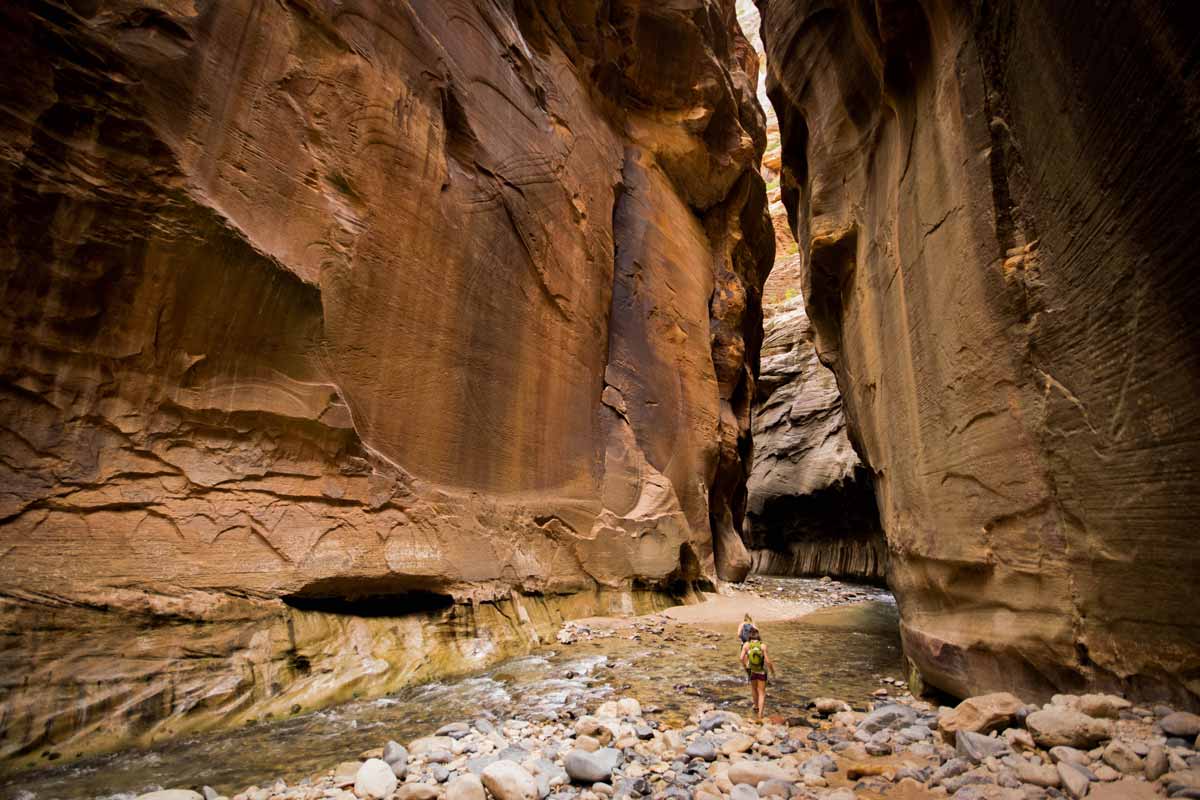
(757, 662)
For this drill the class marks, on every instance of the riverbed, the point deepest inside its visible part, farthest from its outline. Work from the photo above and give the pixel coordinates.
(843, 649)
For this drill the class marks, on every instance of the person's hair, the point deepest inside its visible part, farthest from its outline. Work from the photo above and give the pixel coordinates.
(754, 634)
(747, 619)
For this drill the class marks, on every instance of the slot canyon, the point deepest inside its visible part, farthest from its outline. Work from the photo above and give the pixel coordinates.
(350, 348)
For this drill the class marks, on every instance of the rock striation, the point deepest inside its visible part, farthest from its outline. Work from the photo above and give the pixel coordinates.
(994, 208)
(318, 314)
(810, 507)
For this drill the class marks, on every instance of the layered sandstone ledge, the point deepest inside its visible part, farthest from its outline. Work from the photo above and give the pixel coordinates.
(994, 205)
(367, 304)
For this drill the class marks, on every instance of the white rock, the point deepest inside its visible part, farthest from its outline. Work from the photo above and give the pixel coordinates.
(171, 794)
(629, 707)
(508, 780)
(375, 779)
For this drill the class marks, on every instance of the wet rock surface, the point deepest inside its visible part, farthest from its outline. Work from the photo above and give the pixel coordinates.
(990, 222)
(804, 757)
(318, 314)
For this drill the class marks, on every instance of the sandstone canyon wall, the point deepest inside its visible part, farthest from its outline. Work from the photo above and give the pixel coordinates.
(810, 505)
(334, 331)
(995, 203)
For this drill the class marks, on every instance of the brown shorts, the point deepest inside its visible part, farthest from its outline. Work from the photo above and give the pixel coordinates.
(758, 676)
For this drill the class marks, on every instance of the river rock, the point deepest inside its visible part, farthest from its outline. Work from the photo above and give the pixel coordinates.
(1156, 762)
(1075, 781)
(975, 747)
(738, 743)
(1106, 706)
(1070, 755)
(1053, 727)
(417, 791)
(719, 719)
(465, 787)
(588, 768)
(508, 780)
(1183, 724)
(171, 794)
(701, 747)
(629, 707)
(588, 743)
(590, 726)
(755, 772)
(396, 757)
(1120, 756)
(826, 706)
(1038, 774)
(429, 744)
(1019, 739)
(888, 716)
(742, 791)
(775, 788)
(1126, 789)
(981, 714)
(374, 779)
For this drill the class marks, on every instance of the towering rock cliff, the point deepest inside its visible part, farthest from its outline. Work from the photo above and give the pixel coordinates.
(995, 207)
(810, 506)
(331, 329)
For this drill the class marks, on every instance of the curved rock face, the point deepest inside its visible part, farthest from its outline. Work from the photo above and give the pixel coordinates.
(995, 204)
(361, 303)
(810, 507)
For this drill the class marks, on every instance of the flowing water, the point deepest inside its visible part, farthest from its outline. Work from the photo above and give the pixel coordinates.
(840, 652)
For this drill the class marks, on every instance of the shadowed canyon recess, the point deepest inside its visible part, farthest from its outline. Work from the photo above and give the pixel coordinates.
(347, 345)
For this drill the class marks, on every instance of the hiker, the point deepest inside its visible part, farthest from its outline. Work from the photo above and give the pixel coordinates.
(757, 662)
(745, 628)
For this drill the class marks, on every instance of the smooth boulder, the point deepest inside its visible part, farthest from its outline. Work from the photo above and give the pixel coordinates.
(508, 780)
(1183, 724)
(1056, 726)
(588, 768)
(375, 779)
(755, 772)
(465, 787)
(981, 714)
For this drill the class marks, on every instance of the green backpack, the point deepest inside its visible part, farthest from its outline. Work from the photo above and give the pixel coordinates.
(754, 656)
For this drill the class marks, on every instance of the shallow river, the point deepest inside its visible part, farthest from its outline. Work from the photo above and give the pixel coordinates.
(841, 652)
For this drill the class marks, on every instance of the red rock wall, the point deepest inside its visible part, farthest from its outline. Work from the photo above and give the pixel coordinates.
(333, 300)
(995, 203)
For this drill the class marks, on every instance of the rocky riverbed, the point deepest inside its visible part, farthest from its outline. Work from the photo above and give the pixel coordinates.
(647, 708)
(992, 747)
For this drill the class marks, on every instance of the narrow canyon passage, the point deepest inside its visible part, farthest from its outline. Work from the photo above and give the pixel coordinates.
(354, 346)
